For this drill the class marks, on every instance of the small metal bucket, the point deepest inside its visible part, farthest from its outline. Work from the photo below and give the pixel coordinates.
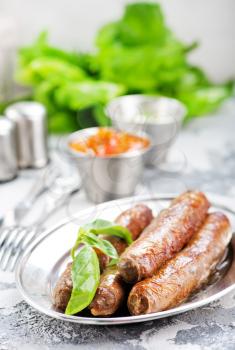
(109, 177)
(159, 117)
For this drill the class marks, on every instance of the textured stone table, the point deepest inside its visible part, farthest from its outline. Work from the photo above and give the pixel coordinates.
(203, 157)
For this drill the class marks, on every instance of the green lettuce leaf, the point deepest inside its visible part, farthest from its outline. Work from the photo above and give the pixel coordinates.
(137, 53)
(204, 100)
(87, 93)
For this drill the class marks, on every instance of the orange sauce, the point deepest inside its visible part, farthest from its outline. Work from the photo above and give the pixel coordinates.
(108, 142)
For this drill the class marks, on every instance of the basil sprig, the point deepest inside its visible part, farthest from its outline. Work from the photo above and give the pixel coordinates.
(105, 227)
(85, 267)
(85, 277)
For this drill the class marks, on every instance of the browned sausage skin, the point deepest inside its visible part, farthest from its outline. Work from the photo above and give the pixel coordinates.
(63, 289)
(135, 219)
(164, 237)
(110, 293)
(186, 272)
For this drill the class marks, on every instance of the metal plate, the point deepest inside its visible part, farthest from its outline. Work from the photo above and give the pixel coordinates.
(46, 258)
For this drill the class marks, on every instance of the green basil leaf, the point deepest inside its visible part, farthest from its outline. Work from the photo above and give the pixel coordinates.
(85, 277)
(113, 262)
(97, 224)
(102, 244)
(79, 240)
(115, 230)
(105, 227)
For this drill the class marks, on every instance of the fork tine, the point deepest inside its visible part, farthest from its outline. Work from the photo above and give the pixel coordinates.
(13, 261)
(20, 233)
(20, 246)
(5, 240)
(17, 250)
(3, 235)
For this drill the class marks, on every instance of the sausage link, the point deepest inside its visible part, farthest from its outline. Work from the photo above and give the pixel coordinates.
(186, 272)
(64, 285)
(110, 293)
(63, 289)
(164, 237)
(135, 219)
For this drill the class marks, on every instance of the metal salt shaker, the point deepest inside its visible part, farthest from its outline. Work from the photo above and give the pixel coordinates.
(8, 154)
(31, 133)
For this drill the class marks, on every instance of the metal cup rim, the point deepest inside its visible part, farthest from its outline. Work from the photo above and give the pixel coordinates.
(143, 97)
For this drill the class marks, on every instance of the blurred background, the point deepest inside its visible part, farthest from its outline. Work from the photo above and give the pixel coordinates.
(73, 25)
(76, 56)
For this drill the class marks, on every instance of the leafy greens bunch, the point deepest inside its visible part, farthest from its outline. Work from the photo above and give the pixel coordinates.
(60, 81)
(136, 54)
(85, 266)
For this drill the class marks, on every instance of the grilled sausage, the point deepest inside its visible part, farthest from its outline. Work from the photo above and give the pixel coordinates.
(164, 237)
(110, 293)
(135, 219)
(64, 285)
(186, 272)
(63, 289)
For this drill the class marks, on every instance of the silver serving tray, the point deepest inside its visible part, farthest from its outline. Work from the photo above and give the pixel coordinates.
(46, 258)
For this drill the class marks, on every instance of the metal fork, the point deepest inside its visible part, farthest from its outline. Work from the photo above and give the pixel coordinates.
(15, 239)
